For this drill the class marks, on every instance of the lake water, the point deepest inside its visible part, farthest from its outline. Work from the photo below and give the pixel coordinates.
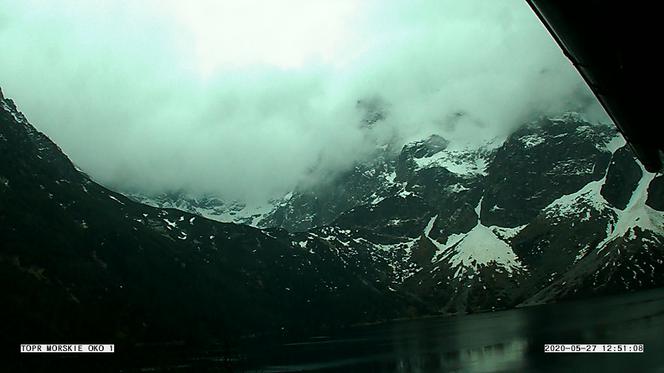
(505, 341)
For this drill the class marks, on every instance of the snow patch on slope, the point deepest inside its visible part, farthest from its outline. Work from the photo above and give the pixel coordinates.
(213, 208)
(636, 214)
(461, 162)
(580, 203)
(615, 144)
(459, 157)
(481, 246)
(506, 233)
(530, 141)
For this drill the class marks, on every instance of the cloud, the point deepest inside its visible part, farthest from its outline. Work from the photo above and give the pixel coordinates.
(245, 99)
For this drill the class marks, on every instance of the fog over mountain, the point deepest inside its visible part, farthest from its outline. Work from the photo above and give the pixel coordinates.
(245, 99)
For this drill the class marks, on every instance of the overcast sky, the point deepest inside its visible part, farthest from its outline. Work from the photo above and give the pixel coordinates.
(246, 98)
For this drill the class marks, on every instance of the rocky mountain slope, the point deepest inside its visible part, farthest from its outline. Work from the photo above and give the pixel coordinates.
(81, 262)
(559, 209)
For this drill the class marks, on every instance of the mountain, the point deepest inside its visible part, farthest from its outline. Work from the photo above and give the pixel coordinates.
(208, 206)
(81, 262)
(559, 209)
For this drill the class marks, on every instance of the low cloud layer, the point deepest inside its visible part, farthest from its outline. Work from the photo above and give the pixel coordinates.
(245, 99)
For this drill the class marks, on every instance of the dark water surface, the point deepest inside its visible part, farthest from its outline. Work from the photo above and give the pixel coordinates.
(505, 341)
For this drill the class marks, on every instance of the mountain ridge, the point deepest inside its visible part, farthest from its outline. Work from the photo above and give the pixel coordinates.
(540, 217)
